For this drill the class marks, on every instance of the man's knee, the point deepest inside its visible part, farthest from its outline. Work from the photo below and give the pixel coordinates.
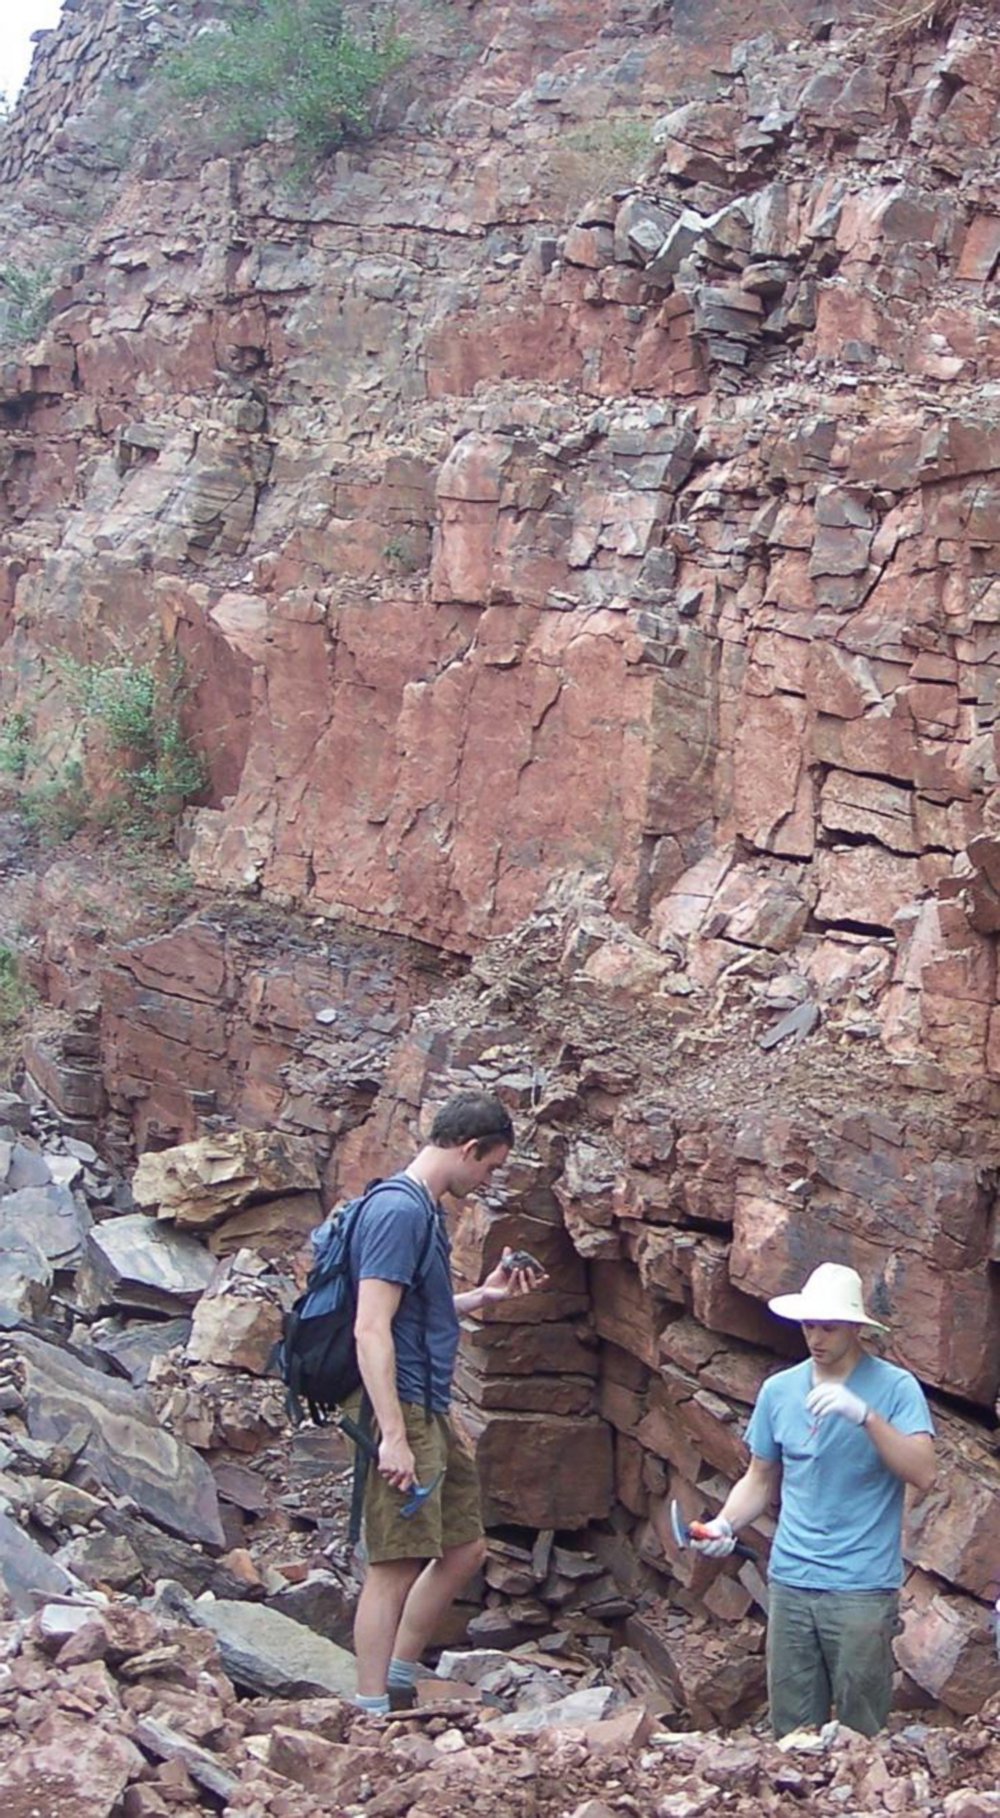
(865, 1663)
(389, 1577)
(464, 1560)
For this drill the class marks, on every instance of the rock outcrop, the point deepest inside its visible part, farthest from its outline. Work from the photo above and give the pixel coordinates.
(577, 512)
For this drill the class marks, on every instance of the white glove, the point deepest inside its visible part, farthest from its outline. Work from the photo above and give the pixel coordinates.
(833, 1398)
(722, 1540)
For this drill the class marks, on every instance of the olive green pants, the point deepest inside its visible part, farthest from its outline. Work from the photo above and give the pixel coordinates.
(830, 1650)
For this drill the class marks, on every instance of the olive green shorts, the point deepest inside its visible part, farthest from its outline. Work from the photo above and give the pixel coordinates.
(451, 1517)
(830, 1650)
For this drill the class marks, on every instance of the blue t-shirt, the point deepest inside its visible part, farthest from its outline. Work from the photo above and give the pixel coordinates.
(388, 1243)
(840, 1526)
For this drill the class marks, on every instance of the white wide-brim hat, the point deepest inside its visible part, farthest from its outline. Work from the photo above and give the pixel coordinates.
(832, 1292)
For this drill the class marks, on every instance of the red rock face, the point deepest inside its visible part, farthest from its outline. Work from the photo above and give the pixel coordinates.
(578, 514)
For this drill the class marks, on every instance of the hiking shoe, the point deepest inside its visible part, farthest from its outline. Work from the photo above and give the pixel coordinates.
(402, 1697)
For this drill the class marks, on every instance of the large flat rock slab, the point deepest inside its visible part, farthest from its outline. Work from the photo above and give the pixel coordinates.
(50, 1217)
(26, 1571)
(127, 1449)
(264, 1651)
(135, 1261)
(198, 1184)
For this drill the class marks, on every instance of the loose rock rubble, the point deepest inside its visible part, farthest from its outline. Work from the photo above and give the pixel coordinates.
(111, 1710)
(591, 574)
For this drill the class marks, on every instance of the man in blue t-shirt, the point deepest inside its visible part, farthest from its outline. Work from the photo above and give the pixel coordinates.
(838, 1437)
(407, 1329)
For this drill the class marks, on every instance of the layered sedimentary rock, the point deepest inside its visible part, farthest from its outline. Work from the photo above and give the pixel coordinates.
(578, 512)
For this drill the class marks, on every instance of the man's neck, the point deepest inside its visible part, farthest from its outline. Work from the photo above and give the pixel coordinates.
(429, 1169)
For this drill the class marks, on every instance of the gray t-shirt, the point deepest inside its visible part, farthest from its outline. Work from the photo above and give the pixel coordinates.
(388, 1243)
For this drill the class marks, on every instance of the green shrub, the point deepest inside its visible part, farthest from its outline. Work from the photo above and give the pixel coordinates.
(290, 66)
(25, 301)
(16, 998)
(15, 745)
(584, 161)
(403, 555)
(59, 807)
(156, 769)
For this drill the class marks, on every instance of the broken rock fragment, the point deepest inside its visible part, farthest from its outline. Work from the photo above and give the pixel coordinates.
(198, 1184)
(237, 1322)
(126, 1448)
(135, 1261)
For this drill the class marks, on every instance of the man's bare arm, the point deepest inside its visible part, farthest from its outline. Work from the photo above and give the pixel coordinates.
(378, 1302)
(754, 1492)
(909, 1455)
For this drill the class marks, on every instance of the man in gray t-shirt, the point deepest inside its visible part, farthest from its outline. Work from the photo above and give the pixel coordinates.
(407, 1339)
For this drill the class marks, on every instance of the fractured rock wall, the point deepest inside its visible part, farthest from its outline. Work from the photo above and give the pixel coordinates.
(96, 40)
(578, 511)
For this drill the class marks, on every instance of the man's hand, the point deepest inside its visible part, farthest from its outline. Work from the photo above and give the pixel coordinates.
(717, 1539)
(396, 1463)
(510, 1278)
(833, 1398)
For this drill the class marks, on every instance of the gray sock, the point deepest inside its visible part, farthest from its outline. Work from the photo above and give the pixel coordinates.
(402, 1673)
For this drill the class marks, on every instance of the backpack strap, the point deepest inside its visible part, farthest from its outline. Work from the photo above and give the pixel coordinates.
(423, 1195)
(420, 1281)
(359, 1476)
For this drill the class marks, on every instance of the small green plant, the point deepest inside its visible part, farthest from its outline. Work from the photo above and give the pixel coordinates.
(400, 554)
(898, 21)
(594, 159)
(16, 997)
(155, 767)
(15, 745)
(290, 67)
(60, 806)
(25, 301)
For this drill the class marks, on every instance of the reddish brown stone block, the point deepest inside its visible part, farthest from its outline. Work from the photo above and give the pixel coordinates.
(686, 1422)
(772, 797)
(622, 1408)
(954, 1530)
(540, 1347)
(624, 1312)
(719, 1305)
(543, 1472)
(947, 1645)
(864, 885)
